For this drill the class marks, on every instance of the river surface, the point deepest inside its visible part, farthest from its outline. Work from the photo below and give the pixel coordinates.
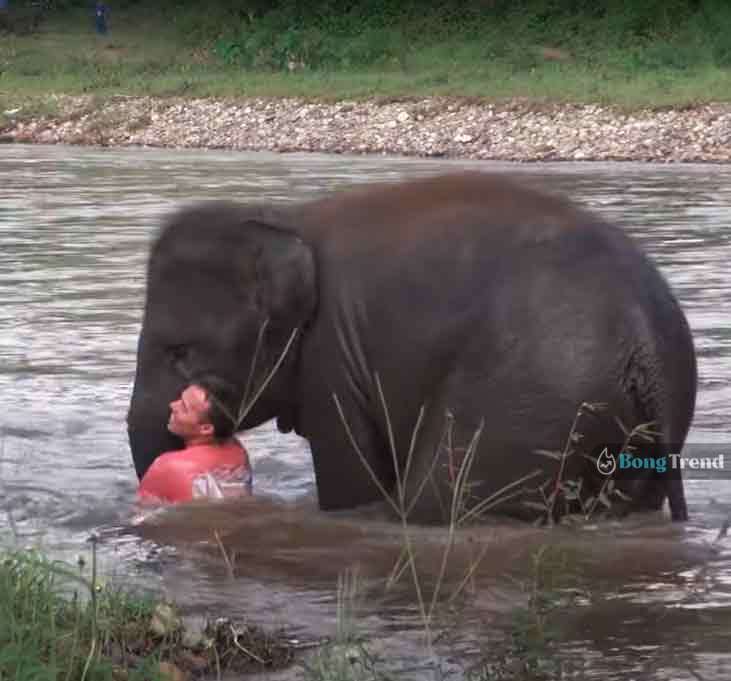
(75, 227)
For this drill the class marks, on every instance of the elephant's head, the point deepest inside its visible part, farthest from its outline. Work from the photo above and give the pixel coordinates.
(226, 290)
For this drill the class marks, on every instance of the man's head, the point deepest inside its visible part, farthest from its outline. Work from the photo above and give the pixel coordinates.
(203, 411)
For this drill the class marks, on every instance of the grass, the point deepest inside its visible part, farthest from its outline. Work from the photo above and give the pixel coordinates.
(160, 52)
(521, 646)
(348, 657)
(56, 626)
(58, 623)
(528, 650)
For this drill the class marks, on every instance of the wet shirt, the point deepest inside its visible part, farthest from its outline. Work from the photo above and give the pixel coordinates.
(213, 471)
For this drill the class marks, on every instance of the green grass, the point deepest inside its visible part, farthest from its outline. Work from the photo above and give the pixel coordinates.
(163, 52)
(57, 623)
(54, 625)
(521, 645)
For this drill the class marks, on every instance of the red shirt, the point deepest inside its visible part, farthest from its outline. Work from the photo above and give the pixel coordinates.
(215, 470)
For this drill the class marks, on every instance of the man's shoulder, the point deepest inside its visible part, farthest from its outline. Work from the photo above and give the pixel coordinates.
(230, 452)
(200, 458)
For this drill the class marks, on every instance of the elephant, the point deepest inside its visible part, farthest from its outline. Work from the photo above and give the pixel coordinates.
(405, 327)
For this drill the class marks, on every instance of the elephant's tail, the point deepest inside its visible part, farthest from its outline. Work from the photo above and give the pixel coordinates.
(661, 378)
(679, 376)
(676, 496)
(671, 481)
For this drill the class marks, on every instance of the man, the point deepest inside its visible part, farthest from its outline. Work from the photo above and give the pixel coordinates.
(212, 463)
(100, 17)
(4, 15)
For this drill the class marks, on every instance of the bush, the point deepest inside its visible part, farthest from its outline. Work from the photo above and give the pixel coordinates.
(330, 34)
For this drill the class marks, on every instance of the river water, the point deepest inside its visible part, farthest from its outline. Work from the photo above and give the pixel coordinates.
(75, 227)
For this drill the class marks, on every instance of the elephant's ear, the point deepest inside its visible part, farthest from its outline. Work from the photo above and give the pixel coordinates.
(285, 275)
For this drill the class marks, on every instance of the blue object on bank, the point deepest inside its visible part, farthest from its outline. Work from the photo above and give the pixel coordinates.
(100, 17)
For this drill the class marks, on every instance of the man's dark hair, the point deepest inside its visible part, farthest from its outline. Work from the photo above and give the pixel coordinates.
(224, 400)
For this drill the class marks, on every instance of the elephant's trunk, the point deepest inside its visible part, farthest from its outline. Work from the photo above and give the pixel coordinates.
(147, 430)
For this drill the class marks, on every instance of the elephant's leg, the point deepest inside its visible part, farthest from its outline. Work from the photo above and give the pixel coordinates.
(495, 441)
(347, 453)
(461, 460)
(646, 490)
(424, 494)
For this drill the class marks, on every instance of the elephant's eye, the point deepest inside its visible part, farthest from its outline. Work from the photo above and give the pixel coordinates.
(178, 353)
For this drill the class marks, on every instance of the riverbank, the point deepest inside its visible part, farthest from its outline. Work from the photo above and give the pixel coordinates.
(60, 622)
(443, 127)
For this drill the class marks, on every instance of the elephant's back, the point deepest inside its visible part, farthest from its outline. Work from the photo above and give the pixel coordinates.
(459, 245)
(457, 205)
(466, 230)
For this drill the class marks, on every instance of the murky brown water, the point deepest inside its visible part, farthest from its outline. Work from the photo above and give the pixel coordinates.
(75, 225)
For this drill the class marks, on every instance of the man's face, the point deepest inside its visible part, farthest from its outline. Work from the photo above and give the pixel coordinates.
(189, 414)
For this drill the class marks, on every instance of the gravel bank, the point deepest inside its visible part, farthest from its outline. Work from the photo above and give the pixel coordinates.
(439, 127)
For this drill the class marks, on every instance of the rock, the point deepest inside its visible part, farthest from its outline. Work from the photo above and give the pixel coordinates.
(194, 633)
(164, 620)
(463, 138)
(119, 674)
(170, 672)
(555, 54)
(197, 663)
